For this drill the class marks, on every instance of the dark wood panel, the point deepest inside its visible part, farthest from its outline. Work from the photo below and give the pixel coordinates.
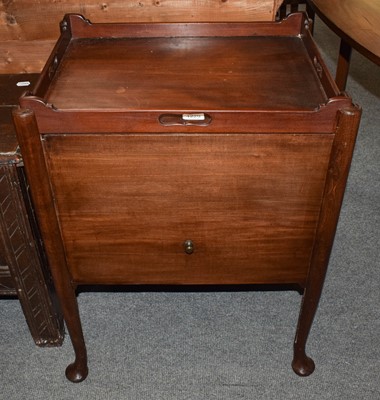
(126, 204)
(154, 73)
(6, 282)
(27, 273)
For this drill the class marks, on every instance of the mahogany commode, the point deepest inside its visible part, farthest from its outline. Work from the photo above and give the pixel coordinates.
(189, 153)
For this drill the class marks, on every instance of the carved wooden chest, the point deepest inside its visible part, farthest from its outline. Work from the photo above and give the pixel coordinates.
(23, 270)
(194, 153)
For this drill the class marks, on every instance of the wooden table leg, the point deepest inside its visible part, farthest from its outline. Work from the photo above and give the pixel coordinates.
(343, 64)
(311, 14)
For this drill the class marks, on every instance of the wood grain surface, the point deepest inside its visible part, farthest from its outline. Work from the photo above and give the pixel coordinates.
(127, 203)
(357, 21)
(28, 29)
(155, 74)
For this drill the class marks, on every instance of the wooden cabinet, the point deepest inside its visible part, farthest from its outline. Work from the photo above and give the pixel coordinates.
(206, 153)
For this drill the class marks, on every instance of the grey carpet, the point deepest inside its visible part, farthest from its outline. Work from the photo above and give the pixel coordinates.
(231, 345)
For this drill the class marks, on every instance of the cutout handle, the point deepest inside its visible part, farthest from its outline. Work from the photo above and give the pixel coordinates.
(191, 119)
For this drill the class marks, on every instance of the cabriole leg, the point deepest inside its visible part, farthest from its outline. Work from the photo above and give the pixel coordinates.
(340, 160)
(302, 364)
(30, 142)
(78, 370)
